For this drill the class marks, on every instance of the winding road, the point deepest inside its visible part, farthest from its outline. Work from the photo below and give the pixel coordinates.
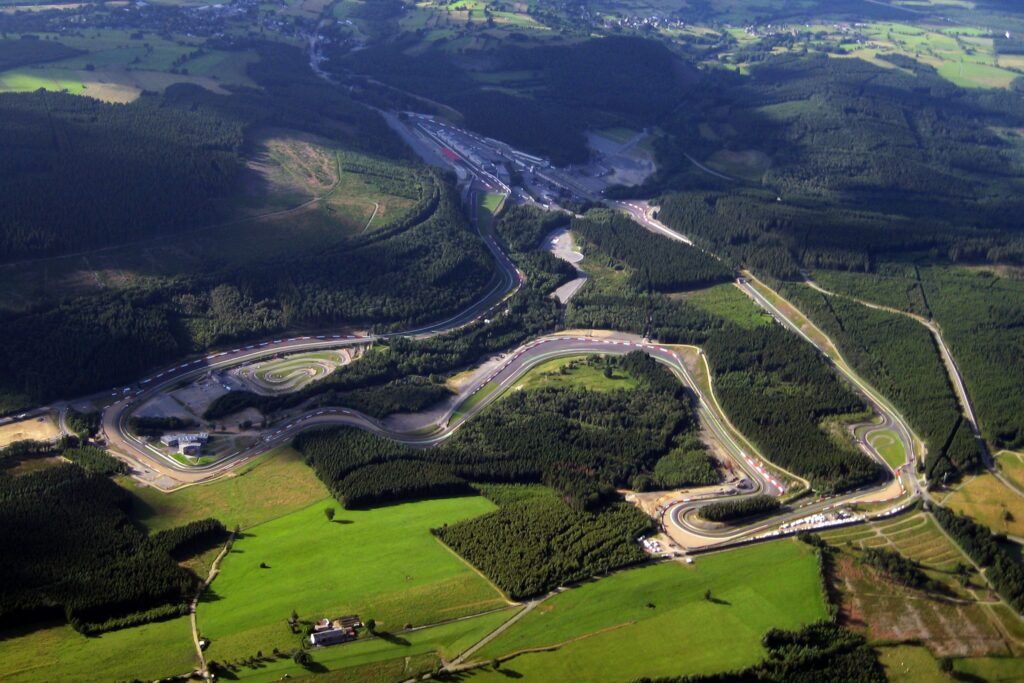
(493, 378)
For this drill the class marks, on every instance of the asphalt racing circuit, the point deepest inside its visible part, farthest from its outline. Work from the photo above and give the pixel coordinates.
(678, 516)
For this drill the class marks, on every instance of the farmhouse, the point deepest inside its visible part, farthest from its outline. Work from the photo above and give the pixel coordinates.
(334, 631)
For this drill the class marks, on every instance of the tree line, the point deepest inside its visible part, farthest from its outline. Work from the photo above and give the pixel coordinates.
(1003, 570)
(534, 545)
(71, 552)
(901, 570)
(582, 443)
(748, 506)
(657, 264)
(899, 357)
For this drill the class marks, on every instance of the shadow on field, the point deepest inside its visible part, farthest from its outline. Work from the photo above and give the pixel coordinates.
(392, 638)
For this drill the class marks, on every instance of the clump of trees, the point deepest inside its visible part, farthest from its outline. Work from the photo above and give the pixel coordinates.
(95, 460)
(534, 545)
(657, 263)
(70, 551)
(1004, 572)
(739, 508)
(900, 569)
(85, 425)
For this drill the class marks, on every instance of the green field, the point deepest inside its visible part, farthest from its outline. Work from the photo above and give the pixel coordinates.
(61, 654)
(909, 664)
(382, 564)
(889, 445)
(291, 373)
(1011, 464)
(991, 669)
(987, 500)
(275, 484)
(727, 301)
(655, 621)
(362, 661)
(583, 372)
(489, 203)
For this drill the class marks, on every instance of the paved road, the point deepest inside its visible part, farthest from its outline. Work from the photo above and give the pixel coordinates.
(758, 477)
(431, 430)
(952, 369)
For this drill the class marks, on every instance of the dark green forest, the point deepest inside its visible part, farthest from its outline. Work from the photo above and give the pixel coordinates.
(981, 317)
(15, 53)
(865, 162)
(536, 544)
(77, 174)
(581, 443)
(775, 389)
(661, 265)
(79, 556)
(899, 357)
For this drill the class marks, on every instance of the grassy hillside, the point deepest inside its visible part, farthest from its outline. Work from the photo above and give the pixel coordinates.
(382, 564)
(637, 623)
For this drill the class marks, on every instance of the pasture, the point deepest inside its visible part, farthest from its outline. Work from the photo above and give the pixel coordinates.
(59, 653)
(398, 655)
(987, 500)
(382, 564)
(727, 301)
(583, 372)
(633, 623)
(275, 484)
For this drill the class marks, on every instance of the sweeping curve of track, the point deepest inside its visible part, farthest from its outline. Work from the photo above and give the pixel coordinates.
(432, 431)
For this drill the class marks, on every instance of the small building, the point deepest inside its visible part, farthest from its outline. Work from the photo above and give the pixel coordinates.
(334, 631)
(176, 440)
(192, 448)
(332, 636)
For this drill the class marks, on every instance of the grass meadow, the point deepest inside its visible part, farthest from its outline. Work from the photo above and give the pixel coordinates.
(62, 654)
(382, 564)
(655, 621)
